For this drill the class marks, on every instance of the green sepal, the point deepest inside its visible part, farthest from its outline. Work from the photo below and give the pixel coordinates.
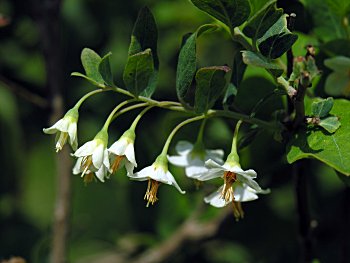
(103, 136)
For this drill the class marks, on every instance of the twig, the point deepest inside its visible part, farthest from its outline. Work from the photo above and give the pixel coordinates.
(303, 210)
(190, 231)
(24, 93)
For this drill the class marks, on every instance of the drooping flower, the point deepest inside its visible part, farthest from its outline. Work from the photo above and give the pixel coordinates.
(156, 174)
(93, 158)
(239, 185)
(65, 127)
(193, 158)
(122, 153)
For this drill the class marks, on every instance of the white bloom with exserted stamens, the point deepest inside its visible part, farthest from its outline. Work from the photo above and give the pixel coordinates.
(156, 174)
(65, 127)
(193, 158)
(93, 158)
(122, 153)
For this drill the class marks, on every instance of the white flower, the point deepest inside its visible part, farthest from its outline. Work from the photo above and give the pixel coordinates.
(156, 174)
(193, 159)
(65, 127)
(93, 158)
(122, 153)
(239, 186)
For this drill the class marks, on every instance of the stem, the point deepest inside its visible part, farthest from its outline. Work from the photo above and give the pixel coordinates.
(110, 117)
(140, 105)
(171, 135)
(300, 172)
(299, 105)
(137, 119)
(235, 137)
(200, 133)
(82, 99)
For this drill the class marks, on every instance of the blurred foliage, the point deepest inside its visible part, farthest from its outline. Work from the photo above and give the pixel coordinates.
(107, 218)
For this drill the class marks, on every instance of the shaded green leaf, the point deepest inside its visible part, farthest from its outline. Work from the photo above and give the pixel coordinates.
(78, 74)
(210, 84)
(322, 107)
(257, 60)
(91, 60)
(338, 84)
(262, 21)
(187, 63)
(331, 149)
(339, 64)
(233, 13)
(104, 69)
(259, 5)
(138, 72)
(330, 124)
(145, 36)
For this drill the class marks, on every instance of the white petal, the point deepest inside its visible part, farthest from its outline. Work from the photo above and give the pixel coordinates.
(211, 174)
(195, 171)
(249, 181)
(101, 173)
(183, 147)
(130, 154)
(173, 182)
(86, 149)
(160, 175)
(142, 175)
(248, 173)
(119, 147)
(244, 193)
(215, 155)
(180, 160)
(211, 164)
(215, 199)
(73, 138)
(106, 159)
(98, 156)
(60, 125)
(129, 167)
(77, 166)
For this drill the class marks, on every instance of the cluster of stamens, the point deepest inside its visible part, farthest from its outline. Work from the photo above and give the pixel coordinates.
(151, 193)
(227, 191)
(116, 164)
(85, 165)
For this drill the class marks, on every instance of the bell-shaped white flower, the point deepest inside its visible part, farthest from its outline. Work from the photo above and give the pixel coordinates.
(122, 153)
(93, 158)
(193, 158)
(65, 127)
(156, 174)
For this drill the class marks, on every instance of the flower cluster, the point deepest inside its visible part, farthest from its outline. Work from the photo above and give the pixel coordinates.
(96, 160)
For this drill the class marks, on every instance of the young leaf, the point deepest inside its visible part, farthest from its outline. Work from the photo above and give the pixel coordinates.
(187, 63)
(257, 60)
(322, 108)
(263, 20)
(233, 13)
(210, 84)
(91, 60)
(330, 124)
(144, 36)
(104, 69)
(138, 72)
(277, 39)
(331, 149)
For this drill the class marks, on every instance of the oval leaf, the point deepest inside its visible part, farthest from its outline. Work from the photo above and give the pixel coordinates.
(138, 72)
(91, 60)
(322, 108)
(331, 149)
(233, 13)
(210, 84)
(104, 69)
(330, 124)
(257, 60)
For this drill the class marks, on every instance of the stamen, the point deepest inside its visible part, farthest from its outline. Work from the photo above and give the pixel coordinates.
(151, 193)
(88, 178)
(85, 164)
(237, 210)
(116, 163)
(227, 191)
(61, 141)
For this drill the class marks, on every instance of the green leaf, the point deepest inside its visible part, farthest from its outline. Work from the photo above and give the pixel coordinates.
(339, 64)
(91, 60)
(187, 64)
(78, 74)
(257, 60)
(145, 36)
(138, 72)
(259, 5)
(277, 39)
(331, 149)
(322, 108)
(104, 69)
(210, 84)
(233, 13)
(338, 84)
(330, 124)
(258, 24)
